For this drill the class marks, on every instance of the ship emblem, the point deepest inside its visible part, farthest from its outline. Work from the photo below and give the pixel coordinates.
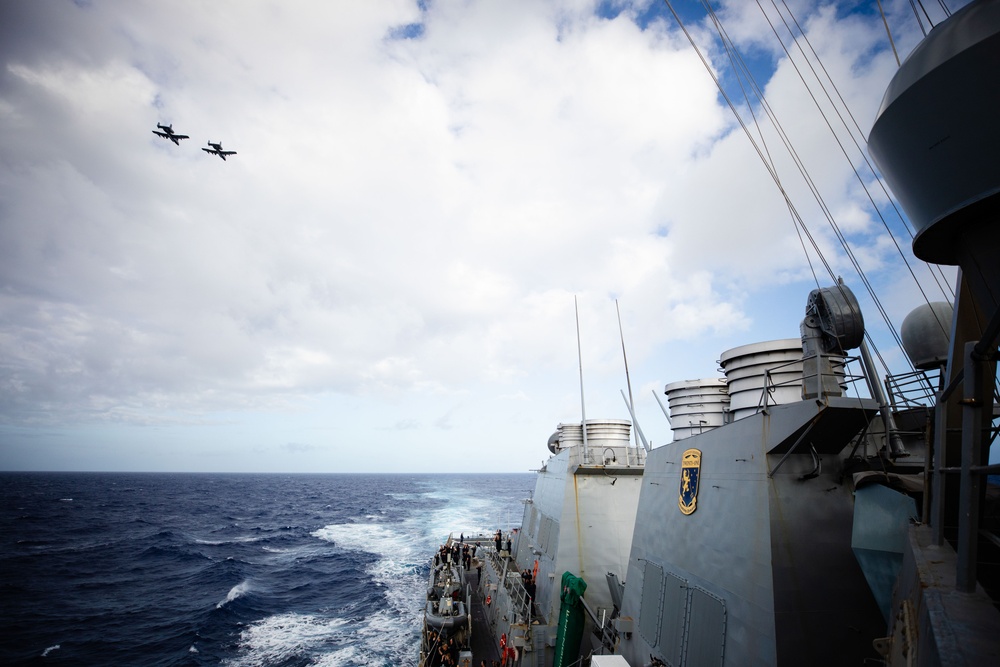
(687, 501)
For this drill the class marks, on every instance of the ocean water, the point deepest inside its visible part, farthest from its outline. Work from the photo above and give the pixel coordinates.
(240, 570)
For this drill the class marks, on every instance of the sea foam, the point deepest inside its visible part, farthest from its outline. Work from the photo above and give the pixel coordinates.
(237, 591)
(280, 638)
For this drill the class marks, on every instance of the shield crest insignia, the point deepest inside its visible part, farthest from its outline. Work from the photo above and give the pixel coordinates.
(687, 501)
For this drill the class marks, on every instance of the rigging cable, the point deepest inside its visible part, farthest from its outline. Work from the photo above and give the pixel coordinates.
(771, 170)
(767, 166)
(840, 144)
(916, 14)
(733, 56)
(935, 271)
(888, 33)
(797, 160)
(785, 140)
(831, 220)
(769, 163)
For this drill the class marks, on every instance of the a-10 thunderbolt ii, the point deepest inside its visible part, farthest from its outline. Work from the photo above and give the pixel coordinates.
(216, 149)
(167, 132)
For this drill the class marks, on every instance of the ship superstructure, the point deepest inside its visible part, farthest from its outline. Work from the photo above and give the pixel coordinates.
(849, 530)
(808, 511)
(743, 548)
(580, 519)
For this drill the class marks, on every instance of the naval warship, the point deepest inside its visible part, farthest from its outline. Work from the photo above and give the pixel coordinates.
(808, 511)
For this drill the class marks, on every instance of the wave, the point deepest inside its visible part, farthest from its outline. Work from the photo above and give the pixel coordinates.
(379, 638)
(237, 591)
(46, 652)
(340, 586)
(280, 638)
(275, 550)
(402, 552)
(399, 549)
(244, 539)
(370, 537)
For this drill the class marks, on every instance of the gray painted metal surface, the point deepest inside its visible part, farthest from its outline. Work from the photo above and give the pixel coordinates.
(936, 136)
(579, 519)
(774, 550)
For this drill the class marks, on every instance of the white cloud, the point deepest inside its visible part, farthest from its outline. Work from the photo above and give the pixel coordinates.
(407, 220)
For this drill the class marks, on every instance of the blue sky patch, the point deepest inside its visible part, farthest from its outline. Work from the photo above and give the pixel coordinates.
(408, 31)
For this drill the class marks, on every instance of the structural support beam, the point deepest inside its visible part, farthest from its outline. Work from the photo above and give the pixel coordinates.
(971, 480)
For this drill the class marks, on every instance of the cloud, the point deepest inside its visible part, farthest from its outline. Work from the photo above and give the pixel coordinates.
(420, 192)
(298, 448)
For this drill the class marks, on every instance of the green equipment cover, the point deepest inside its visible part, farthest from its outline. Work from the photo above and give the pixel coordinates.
(571, 619)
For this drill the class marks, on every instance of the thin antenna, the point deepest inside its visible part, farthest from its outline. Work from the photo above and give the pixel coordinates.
(628, 381)
(579, 356)
(638, 430)
(662, 407)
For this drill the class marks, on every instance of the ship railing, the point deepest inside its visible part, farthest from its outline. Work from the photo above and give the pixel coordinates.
(498, 567)
(626, 456)
(479, 539)
(911, 390)
(603, 629)
(840, 374)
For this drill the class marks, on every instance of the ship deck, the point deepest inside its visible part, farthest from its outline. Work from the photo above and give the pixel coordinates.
(482, 644)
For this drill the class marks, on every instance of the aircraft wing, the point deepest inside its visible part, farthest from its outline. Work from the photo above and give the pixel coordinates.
(162, 134)
(181, 136)
(209, 150)
(227, 152)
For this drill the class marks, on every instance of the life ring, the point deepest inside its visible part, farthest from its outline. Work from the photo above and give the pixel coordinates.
(503, 643)
(488, 599)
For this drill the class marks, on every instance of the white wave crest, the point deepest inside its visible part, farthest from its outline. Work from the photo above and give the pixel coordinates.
(371, 537)
(402, 550)
(400, 554)
(235, 540)
(277, 639)
(380, 639)
(275, 550)
(239, 590)
(46, 652)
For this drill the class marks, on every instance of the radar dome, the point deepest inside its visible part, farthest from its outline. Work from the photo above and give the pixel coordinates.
(925, 334)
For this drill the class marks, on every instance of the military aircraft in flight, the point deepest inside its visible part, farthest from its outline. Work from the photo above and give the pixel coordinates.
(216, 149)
(168, 133)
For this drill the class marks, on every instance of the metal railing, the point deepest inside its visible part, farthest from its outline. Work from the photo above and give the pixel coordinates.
(844, 379)
(497, 569)
(597, 455)
(910, 390)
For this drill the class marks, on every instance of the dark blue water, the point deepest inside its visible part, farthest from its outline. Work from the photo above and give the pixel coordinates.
(178, 569)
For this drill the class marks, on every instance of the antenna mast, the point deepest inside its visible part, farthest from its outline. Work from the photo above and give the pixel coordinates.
(583, 407)
(628, 380)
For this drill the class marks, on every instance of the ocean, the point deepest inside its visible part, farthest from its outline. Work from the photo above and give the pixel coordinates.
(229, 569)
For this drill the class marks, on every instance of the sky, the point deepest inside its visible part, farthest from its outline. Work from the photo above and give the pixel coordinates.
(426, 198)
